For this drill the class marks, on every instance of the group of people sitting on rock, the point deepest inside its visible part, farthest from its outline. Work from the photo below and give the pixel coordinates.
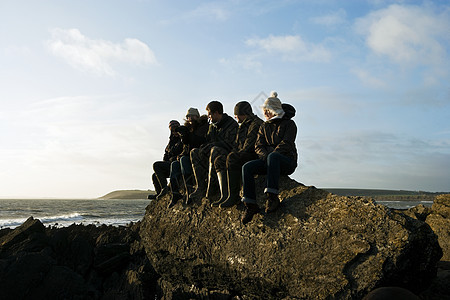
(216, 156)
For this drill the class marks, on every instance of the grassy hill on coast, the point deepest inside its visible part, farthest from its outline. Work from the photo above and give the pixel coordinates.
(127, 194)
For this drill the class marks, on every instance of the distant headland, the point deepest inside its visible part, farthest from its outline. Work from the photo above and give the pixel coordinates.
(127, 195)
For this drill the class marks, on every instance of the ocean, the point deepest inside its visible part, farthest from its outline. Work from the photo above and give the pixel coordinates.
(61, 213)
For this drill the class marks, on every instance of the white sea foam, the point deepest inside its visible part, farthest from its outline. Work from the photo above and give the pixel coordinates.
(62, 213)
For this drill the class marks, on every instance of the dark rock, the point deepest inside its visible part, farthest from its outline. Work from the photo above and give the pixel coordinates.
(27, 237)
(315, 246)
(75, 262)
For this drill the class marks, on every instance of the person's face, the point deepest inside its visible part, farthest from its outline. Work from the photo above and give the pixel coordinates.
(191, 118)
(268, 114)
(240, 118)
(172, 130)
(213, 116)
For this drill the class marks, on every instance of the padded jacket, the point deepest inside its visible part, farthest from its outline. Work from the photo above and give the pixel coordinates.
(278, 135)
(247, 134)
(223, 133)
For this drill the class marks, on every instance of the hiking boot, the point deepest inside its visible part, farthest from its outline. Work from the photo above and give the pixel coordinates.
(251, 210)
(272, 202)
(174, 199)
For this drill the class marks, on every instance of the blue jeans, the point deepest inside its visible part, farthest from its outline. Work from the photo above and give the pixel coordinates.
(276, 165)
(177, 168)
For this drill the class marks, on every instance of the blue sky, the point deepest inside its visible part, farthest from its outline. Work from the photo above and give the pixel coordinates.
(87, 88)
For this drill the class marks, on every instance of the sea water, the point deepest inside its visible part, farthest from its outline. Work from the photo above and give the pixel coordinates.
(61, 213)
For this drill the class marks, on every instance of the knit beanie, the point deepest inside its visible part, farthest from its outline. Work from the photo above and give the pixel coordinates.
(174, 123)
(274, 104)
(192, 112)
(243, 108)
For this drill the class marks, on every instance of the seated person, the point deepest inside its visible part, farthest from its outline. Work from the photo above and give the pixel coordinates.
(275, 147)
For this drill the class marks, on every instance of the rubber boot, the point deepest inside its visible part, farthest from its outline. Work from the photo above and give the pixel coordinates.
(188, 188)
(164, 191)
(272, 202)
(234, 187)
(212, 191)
(174, 188)
(251, 210)
(223, 185)
(200, 190)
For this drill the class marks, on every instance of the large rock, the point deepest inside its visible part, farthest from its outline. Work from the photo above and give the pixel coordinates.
(439, 220)
(315, 246)
(75, 262)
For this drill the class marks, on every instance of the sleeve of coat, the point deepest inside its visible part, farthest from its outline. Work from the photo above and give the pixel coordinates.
(250, 140)
(261, 146)
(229, 138)
(287, 143)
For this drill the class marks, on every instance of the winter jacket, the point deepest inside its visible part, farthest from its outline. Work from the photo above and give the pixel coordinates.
(173, 148)
(193, 135)
(278, 135)
(247, 133)
(223, 133)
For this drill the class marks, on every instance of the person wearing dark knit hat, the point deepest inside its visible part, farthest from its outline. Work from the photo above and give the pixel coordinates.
(228, 166)
(220, 140)
(192, 112)
(162, 168)
(277, 155)
(193, 135)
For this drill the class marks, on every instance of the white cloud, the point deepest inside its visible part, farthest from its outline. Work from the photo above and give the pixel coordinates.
(209, 11)
(368, 79)
(335, 18)
(292, 48)
(97, 56)
(407, 34)
(88, 145)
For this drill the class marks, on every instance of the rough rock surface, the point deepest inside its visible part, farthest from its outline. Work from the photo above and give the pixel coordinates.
(315, 246)
(439, 220)
(75, 262)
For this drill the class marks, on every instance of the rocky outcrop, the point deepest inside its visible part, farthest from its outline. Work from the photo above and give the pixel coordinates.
(316, 246)
(439, 220)
(75, 262)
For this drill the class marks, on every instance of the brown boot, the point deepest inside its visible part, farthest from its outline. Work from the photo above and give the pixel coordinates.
(272, 202)
(251, 210)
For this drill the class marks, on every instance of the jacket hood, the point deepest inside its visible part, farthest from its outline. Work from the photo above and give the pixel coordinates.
(289, 111)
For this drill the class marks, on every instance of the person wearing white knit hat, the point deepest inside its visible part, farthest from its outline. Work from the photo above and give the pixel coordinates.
(277, 155)
(272, 107)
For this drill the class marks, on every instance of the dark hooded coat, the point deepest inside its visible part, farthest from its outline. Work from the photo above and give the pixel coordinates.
(193, 135)
(278, 135)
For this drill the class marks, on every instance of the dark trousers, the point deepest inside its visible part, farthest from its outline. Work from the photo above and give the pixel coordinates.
(181, 167)
(233, 161)
(162, 171)
(276, 165)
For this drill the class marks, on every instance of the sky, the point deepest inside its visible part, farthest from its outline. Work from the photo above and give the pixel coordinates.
(88, 87)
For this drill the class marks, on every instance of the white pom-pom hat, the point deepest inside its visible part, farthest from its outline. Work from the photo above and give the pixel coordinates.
(273, 104)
